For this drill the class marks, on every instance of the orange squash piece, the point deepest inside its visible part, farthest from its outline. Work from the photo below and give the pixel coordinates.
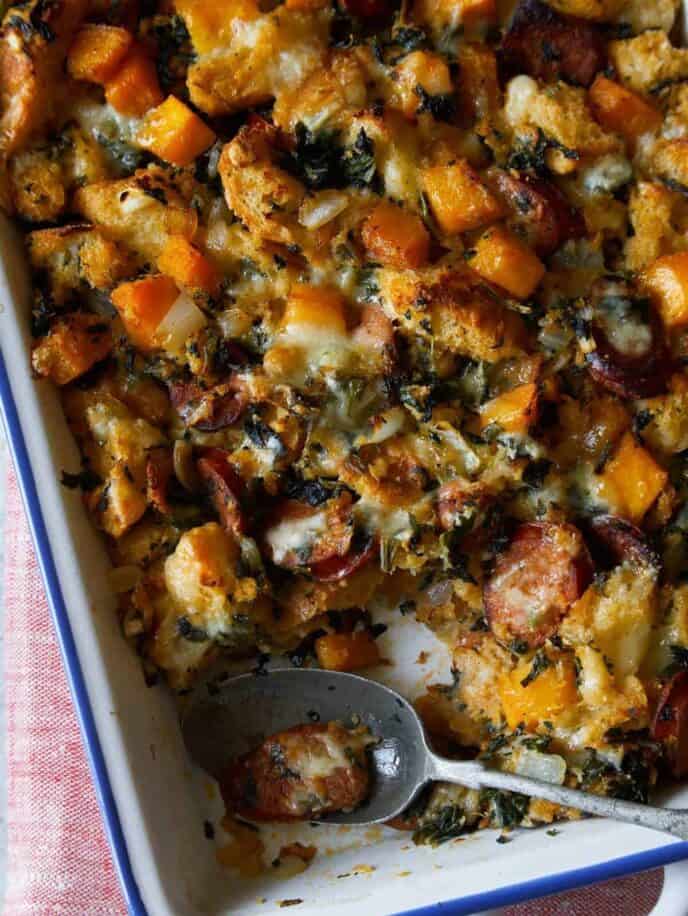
(142, 305)
(543, 699)
(666, 280)
(175, 133)
(187, 266)
(621, 110)
(395, 237)
(506, 261)
(475, 12)
(134, 88)
(74, 344)
(458, 199)
(632, 480)
(97, 52)
(306, 6)
(321, 306)
(421, 70)
(347, 651)
(515, 411)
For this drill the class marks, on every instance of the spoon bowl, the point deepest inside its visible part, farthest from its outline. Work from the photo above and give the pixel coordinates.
(227, 716)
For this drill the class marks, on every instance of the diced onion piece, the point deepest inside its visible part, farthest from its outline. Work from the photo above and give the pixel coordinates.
(182, 320)
(383, 426)
(547, 767)
(124, 578)
(320, 209)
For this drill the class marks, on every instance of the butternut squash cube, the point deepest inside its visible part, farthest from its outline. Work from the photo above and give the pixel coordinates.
(632, 480)
(175, 133)
(347, 651)
(421, 70)
(458, 198)
(542, 699)
(134, 88)
(395, 238)
(320, 306)
(475, 12)
(306, 6)
(97, 51)
(621, 110)
(515, 411)
(666, 280)
(187, 266)
(506, 261)
(142, 305)
(74, 344)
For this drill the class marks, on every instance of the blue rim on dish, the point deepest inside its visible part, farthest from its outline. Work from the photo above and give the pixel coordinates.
(463, 906)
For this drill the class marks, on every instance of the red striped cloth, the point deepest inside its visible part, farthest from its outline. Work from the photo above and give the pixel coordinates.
(59, 861)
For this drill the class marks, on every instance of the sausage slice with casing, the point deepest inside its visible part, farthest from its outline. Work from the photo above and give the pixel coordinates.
(549, 46)
(301, 773)
(545, 568)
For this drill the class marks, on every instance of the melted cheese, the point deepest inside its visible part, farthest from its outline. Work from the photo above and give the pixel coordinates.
(295, 535)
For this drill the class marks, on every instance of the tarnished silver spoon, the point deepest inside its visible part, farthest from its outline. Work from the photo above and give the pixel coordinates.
(227, 716)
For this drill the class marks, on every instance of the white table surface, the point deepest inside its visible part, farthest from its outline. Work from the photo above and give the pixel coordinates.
(3, 781)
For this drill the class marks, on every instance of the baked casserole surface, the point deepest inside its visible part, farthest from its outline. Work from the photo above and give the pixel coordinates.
(356, 305)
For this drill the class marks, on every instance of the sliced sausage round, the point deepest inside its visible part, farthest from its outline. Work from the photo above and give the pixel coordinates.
(224, 488)
(545, 568)
(373, 10)
(550, 46)
(623, 540)
(539, 212)
(630, 356)
(210, 410)
(159, 471)
(300, 774)
(337, 568)
(670, 723)
(300, 535)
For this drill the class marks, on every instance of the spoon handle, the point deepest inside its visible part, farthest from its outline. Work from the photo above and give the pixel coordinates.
(474, 775)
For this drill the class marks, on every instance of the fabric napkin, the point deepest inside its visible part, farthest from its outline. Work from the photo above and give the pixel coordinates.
(59, 861)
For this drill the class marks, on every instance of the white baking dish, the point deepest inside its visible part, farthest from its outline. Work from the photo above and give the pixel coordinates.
(154, 804)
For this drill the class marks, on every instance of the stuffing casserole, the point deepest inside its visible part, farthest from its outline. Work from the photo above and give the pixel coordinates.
(354, 303)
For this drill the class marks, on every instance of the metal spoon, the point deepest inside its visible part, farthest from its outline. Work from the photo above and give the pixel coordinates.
(227, 716)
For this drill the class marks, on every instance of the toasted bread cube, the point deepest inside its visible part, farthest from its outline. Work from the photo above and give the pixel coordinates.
(395, 237)
(458, 198)
(632, 480)
(210, 23)
(134, 88)
(187, 266)
(666, 279)
(621, 110)
(175, 133)
(74, 344)
(142, 305)
(347, 651)
(97, 52)
(515, 411)
(505, 260)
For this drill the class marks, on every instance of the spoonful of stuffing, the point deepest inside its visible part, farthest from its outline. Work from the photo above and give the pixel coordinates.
(307, 744)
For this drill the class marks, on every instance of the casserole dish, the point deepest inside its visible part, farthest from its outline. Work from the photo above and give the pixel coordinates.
(155, 804)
